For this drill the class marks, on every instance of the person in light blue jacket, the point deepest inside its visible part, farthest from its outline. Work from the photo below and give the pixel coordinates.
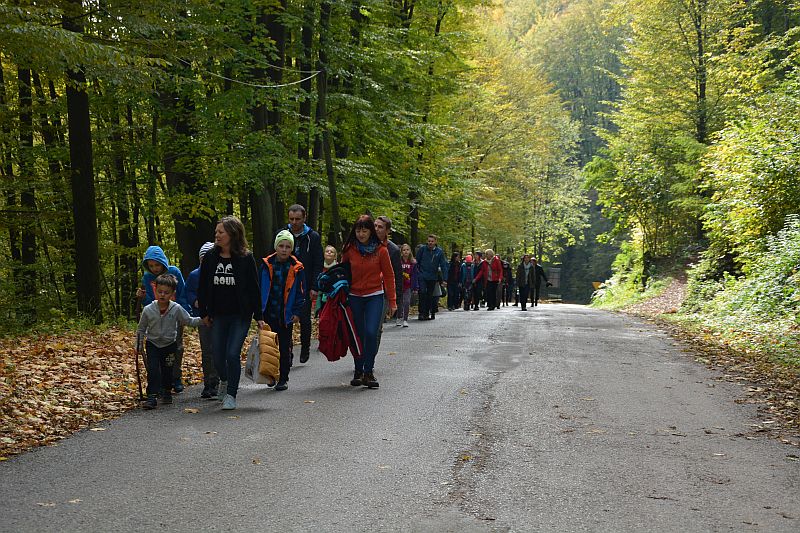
(155, 263)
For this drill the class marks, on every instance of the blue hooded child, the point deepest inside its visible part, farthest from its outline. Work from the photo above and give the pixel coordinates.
(155, 263)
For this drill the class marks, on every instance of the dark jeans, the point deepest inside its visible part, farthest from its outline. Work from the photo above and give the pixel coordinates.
(284, 345)
(453, 296)
(491, 295)
(210, 378)
(536, 293)
(477, 294)
(228, 333)
(159, 367)
(368, 316)
(524, 292)
(427, 301)
(305, 325)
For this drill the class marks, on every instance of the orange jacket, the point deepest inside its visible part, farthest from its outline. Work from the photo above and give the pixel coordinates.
(371, 273)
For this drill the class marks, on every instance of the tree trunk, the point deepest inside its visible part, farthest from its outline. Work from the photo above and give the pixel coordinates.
(84, 208)
(128, 255)
(305, 145)
(182, 176)
(261, 200)
(27, 286)
(322, 120)
(7, 170)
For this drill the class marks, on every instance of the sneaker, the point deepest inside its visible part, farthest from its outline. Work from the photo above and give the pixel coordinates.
(433, 317)
(222, 390)
(228, 403)
(177, 386)
(282, 385)
(399, 323)
(166, 399)
(405, 323)
(209, 392)
(304, 354)
(150, 403)
(369, 381)
(356, 381)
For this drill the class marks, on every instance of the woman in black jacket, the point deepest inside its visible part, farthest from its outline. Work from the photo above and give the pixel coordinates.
(228, 298)
(525, 276)
(454, 282)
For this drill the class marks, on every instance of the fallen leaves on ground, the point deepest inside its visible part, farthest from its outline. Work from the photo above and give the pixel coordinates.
(52, 386)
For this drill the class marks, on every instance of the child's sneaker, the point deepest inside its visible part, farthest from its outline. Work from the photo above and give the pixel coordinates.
(228, 403)
(282, 385)
(405, 323)
(150, 403)
(399, 322)
(222, 390)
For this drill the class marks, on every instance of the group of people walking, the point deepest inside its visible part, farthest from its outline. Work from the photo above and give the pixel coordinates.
(231, 288)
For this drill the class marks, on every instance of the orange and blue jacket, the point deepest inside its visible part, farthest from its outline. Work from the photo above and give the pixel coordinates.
(294, 293)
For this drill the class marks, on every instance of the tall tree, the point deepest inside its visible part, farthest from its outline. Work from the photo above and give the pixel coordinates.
(84, 207)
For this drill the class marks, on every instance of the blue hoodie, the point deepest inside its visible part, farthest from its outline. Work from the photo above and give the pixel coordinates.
(155, 253)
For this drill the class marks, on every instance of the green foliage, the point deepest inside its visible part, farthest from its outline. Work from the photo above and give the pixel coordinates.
(753, 171)
(759, 311)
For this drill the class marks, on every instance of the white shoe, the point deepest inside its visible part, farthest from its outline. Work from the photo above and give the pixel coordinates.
(405, 323)
(398, 323)
(222, 390)
(228, 403)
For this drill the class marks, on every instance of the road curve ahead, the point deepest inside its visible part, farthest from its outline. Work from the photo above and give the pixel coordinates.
(560, 418)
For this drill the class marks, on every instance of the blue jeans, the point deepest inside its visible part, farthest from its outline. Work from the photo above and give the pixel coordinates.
(368, 317)
(228, 333)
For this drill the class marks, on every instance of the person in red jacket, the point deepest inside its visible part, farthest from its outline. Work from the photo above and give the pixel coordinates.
(372, 277)
(490, 273)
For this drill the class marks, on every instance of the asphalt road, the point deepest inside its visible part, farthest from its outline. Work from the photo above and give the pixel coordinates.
(561, 418)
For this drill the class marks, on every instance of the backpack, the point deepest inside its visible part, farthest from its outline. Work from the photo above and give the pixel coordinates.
(326, 281)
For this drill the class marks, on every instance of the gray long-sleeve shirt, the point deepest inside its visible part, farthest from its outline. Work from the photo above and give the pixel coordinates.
(162, 329)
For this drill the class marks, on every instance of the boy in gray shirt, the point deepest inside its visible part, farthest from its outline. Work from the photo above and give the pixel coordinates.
(159, 323)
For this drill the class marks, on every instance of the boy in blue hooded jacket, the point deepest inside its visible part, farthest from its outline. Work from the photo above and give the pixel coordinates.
(155, 263)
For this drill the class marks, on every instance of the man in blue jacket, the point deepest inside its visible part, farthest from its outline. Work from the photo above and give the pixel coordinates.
(430, 261)
(155, 263)
(308, 249)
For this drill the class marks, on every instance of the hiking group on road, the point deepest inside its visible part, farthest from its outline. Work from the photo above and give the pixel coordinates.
(380, 279)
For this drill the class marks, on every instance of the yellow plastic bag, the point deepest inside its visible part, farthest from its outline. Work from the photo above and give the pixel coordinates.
(269, 364)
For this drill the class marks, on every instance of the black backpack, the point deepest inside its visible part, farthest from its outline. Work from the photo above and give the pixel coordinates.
(327, 280)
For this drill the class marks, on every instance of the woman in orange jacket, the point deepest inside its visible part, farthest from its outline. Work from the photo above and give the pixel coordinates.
(372, 277)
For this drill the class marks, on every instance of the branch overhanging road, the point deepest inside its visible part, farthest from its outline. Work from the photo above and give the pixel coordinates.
(561, 418)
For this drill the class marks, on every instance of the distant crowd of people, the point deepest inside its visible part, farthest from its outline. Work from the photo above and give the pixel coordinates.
(231, 288)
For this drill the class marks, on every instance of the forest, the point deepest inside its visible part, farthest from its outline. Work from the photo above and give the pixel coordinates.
(615, 139)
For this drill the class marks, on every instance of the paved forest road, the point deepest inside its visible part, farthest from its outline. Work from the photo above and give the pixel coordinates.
(558, 419)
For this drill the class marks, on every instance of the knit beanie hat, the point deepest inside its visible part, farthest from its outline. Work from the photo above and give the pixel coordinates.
(204, 249)
(284, 235)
